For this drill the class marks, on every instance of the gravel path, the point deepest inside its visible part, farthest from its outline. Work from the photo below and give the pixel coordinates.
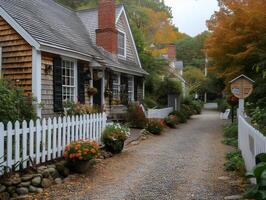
(181, 164)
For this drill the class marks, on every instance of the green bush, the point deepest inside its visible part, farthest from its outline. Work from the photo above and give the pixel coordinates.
(231, 142)
(258, 119)
(14, 105)
(222, 105)
(135, 116)
(150, 102)
(197, 106)
(166, 87)
(171, 121)
(257, 191)
(181, 117)
(114, 137)
(231, 131)
(155, 126)
(234, 162)
(186, 110)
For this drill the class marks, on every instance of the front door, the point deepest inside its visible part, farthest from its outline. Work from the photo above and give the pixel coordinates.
(97, 100)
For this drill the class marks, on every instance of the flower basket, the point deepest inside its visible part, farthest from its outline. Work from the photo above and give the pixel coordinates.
(114, 137)
(92, 91)
(80, 154)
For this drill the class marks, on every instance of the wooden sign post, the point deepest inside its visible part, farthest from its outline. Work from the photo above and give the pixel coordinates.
(242, 87)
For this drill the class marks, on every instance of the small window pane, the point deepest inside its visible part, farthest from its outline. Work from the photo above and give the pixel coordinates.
(121, 44)
(68, 80)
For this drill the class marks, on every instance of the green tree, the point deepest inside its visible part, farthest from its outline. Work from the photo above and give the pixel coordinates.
(190, 50)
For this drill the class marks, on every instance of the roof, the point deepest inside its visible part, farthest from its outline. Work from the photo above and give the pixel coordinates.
(242, 76)
(50, 23)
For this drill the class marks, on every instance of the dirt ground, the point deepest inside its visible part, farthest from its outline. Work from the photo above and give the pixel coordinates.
(182, 164)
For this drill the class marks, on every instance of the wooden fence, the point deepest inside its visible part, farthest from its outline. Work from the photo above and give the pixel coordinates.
(45, 140)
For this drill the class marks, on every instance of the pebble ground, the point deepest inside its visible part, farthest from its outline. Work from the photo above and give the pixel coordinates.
(182, 164)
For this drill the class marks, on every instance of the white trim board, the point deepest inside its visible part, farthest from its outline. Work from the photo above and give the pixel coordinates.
(21, 31)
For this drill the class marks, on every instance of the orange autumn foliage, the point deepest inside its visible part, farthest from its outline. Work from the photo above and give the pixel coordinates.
(237, 43)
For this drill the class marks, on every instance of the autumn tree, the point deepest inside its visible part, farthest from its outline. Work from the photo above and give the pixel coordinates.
(237, 43)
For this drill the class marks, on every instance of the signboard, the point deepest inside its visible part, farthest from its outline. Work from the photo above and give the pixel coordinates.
(242, 87)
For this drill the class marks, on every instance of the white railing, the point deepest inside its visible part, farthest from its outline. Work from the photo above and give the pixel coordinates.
(158, 113)
(45, 140)
(251, 142)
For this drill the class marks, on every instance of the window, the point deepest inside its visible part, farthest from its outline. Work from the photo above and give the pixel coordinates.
(116, 86)
(130, 88)
(121, 44)
(69, 80)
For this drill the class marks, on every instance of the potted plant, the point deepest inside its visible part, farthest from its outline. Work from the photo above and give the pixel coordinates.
(92, 91)
(80, 153)
(155, 126)
(114, 137)
(171, 121)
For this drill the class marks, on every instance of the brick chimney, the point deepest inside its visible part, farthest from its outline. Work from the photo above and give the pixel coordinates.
(106, 34)
(171, 51)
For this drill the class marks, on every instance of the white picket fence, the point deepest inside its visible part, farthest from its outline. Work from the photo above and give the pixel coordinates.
(158, 113)
(45, 140)
(251, 142)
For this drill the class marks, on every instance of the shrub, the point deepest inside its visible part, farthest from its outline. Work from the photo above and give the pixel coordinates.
(231, 131)
(231, 142)
(171, 121)
(14, 105)
(197, 107)
(150, 102)
(155, 126)
(222, 105)
(186, 110)
(258, 119)
(234, 162)
(257, 191)
(114, 137)
(181, 117)
(135, 116)
(81, 150)
(72, 108)
(166, 87)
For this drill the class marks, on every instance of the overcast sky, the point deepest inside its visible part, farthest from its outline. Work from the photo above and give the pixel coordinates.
(190, 15)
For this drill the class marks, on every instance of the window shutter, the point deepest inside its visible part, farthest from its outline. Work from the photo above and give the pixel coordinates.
(57, 81)
(136, 79)
(81, 87)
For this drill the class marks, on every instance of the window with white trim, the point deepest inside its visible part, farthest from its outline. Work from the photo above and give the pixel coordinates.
(69, 80)
(130, 88)
(116, 86)
(121, 47)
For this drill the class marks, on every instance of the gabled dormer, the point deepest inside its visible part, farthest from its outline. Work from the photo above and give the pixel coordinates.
(109, 29)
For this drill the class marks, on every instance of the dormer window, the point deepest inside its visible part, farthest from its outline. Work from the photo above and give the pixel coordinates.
(121, 47)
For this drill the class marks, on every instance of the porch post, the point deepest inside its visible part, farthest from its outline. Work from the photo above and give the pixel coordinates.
(36, 79)
(103, 89)
(91, 84)
(143, 88)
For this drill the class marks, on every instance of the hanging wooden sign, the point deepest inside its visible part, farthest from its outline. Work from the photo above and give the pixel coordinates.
(242, 87)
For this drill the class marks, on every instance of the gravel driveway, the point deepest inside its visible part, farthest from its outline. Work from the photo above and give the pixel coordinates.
(181, 164)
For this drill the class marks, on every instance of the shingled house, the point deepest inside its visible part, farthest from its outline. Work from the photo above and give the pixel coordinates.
(56, 54)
